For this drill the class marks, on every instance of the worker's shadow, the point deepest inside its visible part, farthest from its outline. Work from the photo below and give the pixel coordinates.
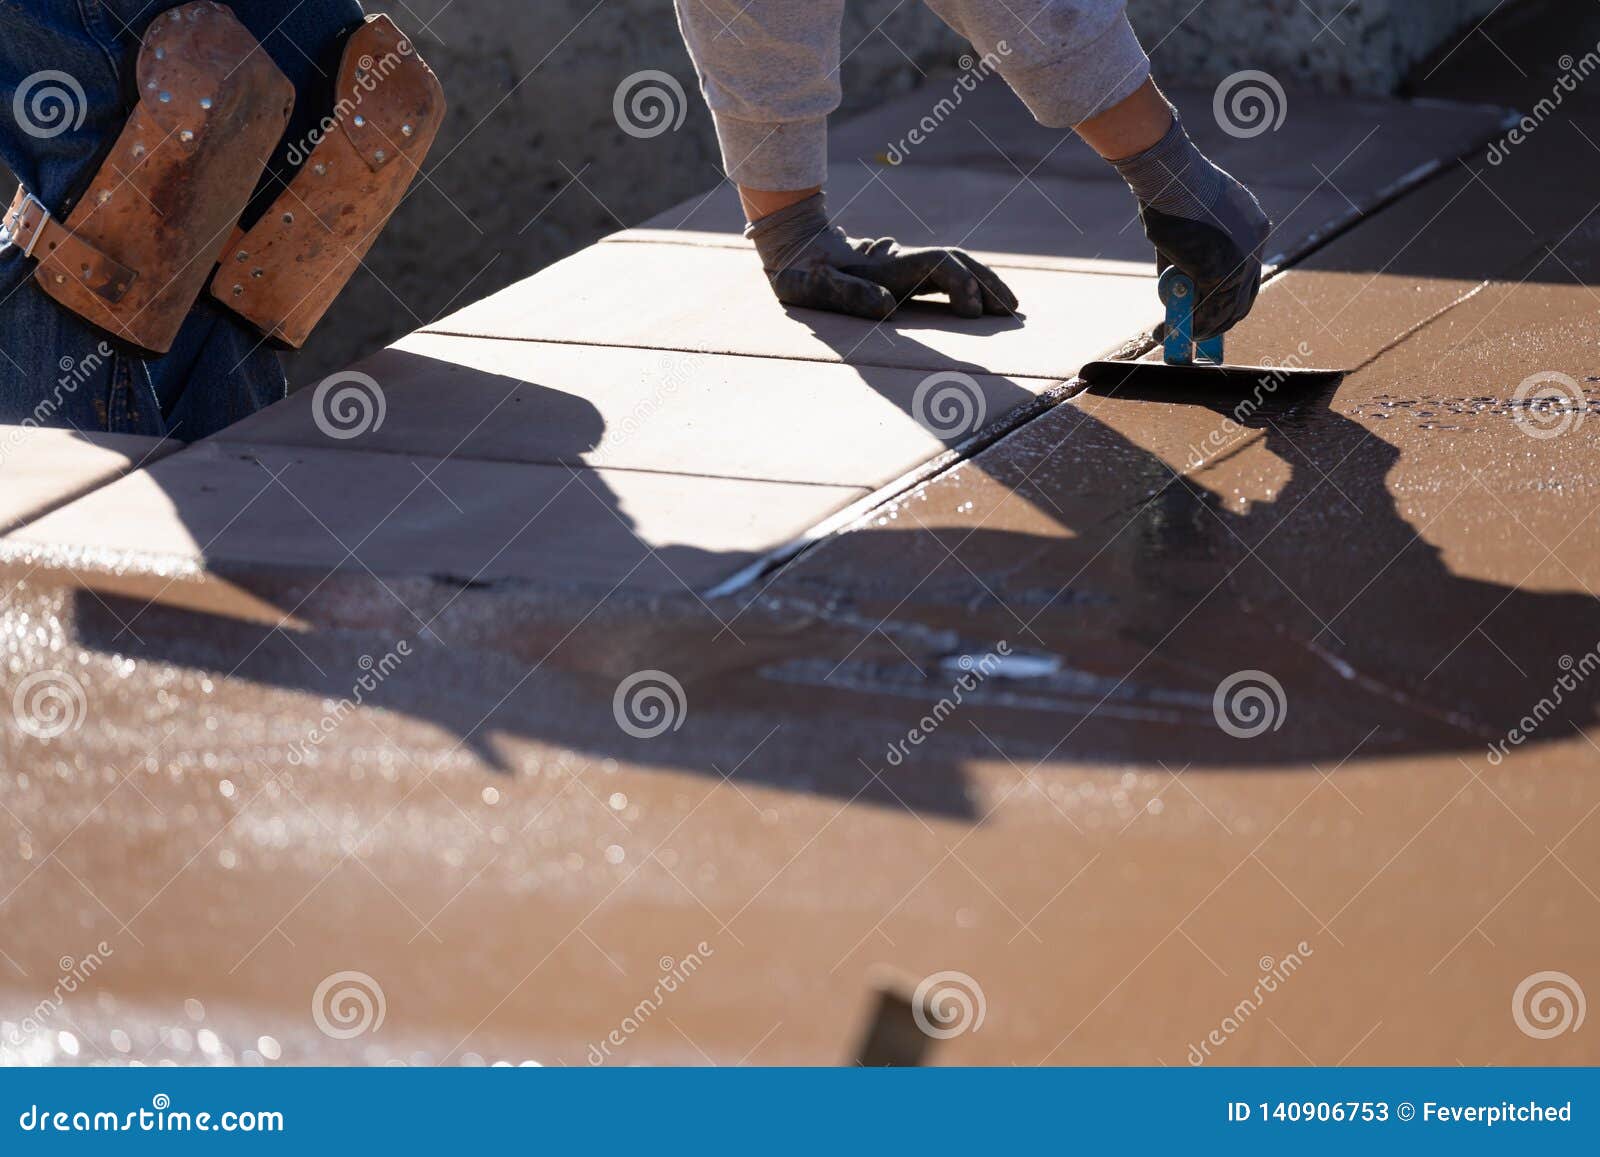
(500, 658)
(296, 539)
(1280, 572)
(1129, 594)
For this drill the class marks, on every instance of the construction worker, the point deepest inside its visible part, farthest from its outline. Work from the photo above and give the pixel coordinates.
(197, 183)
(769, 70)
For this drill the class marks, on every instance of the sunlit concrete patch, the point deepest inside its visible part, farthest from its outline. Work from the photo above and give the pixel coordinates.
(41, 468)
(714, 300)
(1494, 409)
(637, 409)
(227, 507)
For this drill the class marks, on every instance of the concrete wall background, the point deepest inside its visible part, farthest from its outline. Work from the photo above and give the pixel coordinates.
(532, 164)
(1357, 46)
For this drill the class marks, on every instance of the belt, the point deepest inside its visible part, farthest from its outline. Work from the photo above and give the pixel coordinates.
(29, 226)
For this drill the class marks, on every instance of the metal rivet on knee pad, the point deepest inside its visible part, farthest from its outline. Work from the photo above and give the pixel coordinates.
(406, 130)
(380, 156)
(360, 120)
(320, 169)
(258, 273)
(288, 218)
(238, 291)
(205, 102)
(166, 98)
(186, 136)
(61, 279)
(139, 149)
(103, 196)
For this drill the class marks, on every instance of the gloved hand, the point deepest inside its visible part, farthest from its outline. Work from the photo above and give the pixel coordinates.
(811, 263)
(1204, 222)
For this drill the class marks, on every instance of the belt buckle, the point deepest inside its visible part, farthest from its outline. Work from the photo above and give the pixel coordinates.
(17, 214)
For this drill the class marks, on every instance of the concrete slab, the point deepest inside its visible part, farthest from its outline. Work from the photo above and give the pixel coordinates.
(1494, 408)
(1114, 533)
(610, 407)
(521, 912)
(1403, 569)
(41, 469)
(713, 300)
(1353, 144)
(232, 508)
(478, 836)
(1009, 220)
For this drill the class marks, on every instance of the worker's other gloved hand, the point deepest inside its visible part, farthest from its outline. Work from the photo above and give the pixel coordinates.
(1204, 222)
(814, 265)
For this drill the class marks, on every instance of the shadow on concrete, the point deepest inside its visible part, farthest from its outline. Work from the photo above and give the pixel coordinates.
(1128, 593)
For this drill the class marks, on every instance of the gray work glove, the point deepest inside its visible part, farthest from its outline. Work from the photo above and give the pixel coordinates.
(812, 264)
(1204, 222)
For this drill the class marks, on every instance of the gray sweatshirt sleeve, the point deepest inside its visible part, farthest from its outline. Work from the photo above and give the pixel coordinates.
(769, 70)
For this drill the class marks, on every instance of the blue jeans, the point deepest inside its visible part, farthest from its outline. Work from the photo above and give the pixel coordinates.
(58, 370)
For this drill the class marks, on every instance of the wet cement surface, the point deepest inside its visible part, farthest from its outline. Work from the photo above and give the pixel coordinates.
(1025, 666)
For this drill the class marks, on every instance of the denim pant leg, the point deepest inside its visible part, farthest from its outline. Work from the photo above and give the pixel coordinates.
(55, 370)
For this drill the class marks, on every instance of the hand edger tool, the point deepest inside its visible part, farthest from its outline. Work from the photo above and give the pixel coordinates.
(1189, 364)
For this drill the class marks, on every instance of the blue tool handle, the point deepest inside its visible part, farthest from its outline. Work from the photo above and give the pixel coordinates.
(1179, 347)
(1177, 294)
